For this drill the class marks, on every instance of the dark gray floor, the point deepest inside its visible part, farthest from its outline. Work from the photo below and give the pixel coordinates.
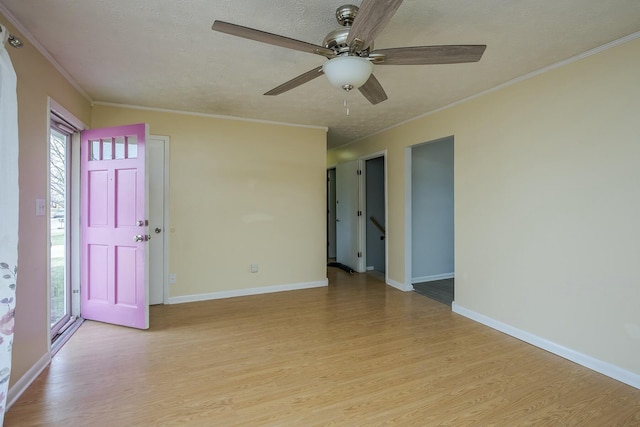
(439, 290)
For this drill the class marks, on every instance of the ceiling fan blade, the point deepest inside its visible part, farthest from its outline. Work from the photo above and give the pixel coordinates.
(370, 20)
(425, 55)
(372, 90)
(273, 39)
(293, 83)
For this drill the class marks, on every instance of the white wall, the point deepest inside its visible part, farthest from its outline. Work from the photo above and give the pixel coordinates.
(547, 205)
(241, 193)
(432, 204)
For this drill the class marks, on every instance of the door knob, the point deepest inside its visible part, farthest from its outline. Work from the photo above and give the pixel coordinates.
(157, 230)
(138, 238)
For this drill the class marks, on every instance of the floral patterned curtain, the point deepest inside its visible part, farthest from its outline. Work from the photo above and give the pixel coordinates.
(8, 213)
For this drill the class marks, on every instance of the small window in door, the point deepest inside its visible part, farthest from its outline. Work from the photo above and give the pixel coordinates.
(118, 148)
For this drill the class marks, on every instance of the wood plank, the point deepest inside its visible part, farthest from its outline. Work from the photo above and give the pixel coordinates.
(355, 353)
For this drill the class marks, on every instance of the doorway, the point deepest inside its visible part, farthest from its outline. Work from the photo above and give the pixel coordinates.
(361, 211)
(60, 132)
(432, 219)
(375, 215)
(62, 209)
(331, 214)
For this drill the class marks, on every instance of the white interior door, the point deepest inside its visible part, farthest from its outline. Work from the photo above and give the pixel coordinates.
(156, 153)
(347, 219)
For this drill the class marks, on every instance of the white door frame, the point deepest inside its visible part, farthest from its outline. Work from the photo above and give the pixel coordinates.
(408, 218)
(73, 209)
(165, 226)
(331, 212)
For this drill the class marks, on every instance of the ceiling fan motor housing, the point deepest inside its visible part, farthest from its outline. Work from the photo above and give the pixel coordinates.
(336, 40)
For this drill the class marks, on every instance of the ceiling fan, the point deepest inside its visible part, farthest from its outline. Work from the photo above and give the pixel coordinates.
(350, 52)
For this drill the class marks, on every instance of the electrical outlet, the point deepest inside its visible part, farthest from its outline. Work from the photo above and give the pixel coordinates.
(254, 268)
(172, 279)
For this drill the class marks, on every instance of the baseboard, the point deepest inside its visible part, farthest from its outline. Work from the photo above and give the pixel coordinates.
(592, 363)
(432, 278)
(246, 292)
(29, 377)
(399, 286)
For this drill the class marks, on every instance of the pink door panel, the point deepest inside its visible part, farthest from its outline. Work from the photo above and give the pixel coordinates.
(114, 263)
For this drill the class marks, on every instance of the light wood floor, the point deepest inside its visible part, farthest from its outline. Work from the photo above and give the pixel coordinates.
(355, 353)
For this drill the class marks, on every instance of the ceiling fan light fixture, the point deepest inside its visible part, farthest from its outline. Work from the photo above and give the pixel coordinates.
(347, 72)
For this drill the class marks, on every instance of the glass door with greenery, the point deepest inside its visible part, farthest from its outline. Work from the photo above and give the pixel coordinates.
(60, 292)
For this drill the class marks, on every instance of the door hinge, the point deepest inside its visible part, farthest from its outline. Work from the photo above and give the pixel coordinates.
(359, 213)
(359, 254)
(359, 172)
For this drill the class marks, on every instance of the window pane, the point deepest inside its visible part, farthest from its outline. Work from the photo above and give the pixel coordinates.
(95, 150)
(120, 149)
(107, 149)
(132, 146)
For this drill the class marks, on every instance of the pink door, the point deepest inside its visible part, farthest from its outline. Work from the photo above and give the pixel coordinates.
(114, 286)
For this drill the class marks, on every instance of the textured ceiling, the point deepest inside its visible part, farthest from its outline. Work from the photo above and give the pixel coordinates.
(163, 53)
